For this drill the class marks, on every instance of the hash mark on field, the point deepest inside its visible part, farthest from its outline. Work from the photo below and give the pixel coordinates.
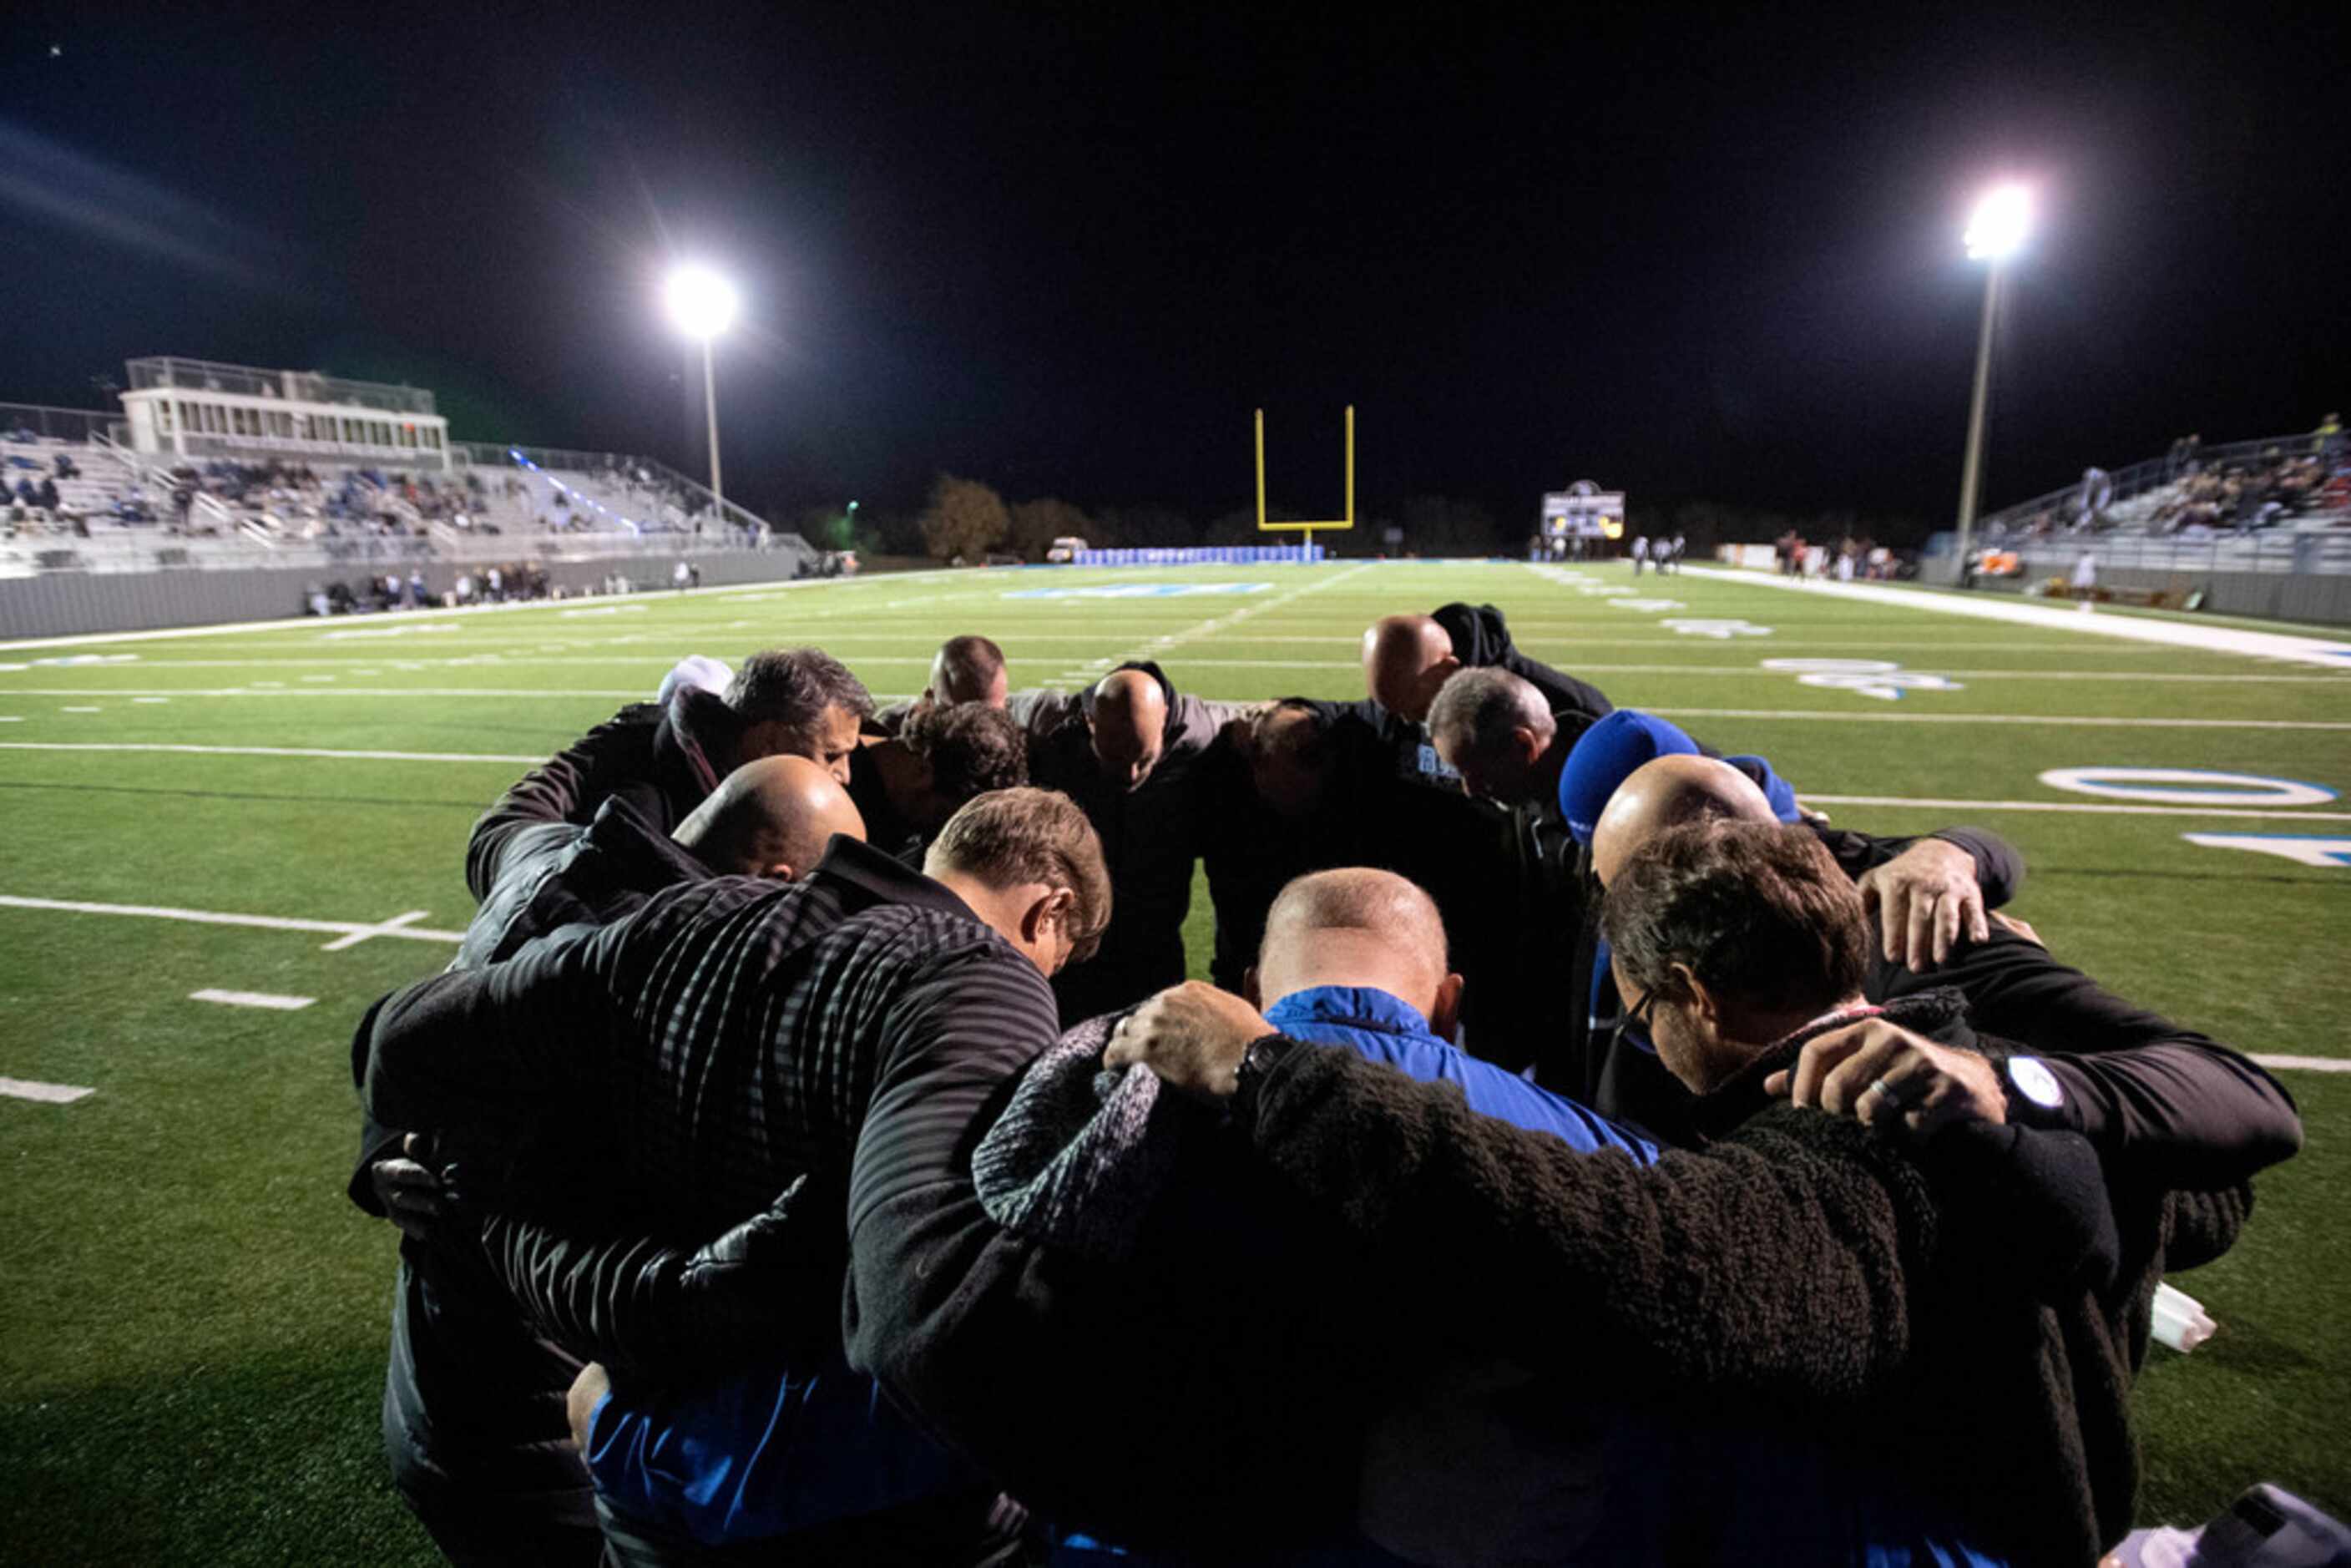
(317, 678)
(150, 699)
(51, 1093)
(2306, 1063)
(215, 917)
(252, 999)
(81, 710)
(390, 927)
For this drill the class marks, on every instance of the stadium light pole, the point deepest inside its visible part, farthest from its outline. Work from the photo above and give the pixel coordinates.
(702, 306)
(1995, 231)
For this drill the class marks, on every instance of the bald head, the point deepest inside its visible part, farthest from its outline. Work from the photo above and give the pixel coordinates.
(770, 818)
(1129, 726)
(1357, 926)
(1405, 659)
(1667, 793)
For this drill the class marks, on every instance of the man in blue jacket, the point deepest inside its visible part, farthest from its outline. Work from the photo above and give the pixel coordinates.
(1357, 957)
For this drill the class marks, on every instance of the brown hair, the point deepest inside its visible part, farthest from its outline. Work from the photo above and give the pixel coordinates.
(1008, 837)
(1758, 911)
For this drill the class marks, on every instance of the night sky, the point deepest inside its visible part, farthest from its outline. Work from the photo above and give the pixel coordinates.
(1066, 249)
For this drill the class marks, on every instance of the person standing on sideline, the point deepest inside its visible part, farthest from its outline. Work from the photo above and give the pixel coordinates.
(1640, 553)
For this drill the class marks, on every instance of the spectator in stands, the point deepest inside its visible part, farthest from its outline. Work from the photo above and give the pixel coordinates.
(902, 1002)
(45, 496)
(2326, 441)
(909, 784)
(66, 467)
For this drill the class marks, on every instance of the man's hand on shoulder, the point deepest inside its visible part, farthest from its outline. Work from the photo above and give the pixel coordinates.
(1924, 898)
(1884, 1075)
(1193, 1036)
(410, 1191)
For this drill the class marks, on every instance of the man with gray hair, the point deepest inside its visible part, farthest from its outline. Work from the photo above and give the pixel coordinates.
(1495, 729)
(665, 758)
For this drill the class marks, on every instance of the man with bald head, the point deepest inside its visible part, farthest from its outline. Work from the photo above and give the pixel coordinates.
(772, 818)
(1667, 793)
(1128, 751)
(473, 1396)
(1407, 657)
(1357, 957)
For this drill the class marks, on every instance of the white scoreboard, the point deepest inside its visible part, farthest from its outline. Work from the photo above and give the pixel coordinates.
(1581, 514)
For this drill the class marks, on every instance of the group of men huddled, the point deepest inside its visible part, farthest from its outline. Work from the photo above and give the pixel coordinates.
(817, 1155)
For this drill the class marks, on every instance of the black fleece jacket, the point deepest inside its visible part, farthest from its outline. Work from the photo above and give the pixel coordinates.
(1960, 1317)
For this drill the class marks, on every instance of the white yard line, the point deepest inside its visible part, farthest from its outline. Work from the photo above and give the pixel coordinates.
(52, 1094)
(633, 694)
(2072, 719)
(341, 928)
(2306, 1063)
(1093, 669)
(2332, 654)
(252, 999)
(272, 751)
(2069, 806)
(1583, 669)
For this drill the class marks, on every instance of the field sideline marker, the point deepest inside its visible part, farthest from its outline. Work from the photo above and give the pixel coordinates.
(190, 749)
(2212, 638)
(252, 999)
(51, 1093)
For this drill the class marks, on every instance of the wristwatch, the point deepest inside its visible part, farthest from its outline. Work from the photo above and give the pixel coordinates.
(2030, 1083)
(1255, 1062)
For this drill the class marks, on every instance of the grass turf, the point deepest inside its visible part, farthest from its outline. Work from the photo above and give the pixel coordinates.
(193, 1320)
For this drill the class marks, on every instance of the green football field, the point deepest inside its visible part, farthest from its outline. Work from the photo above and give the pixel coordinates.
(193, 1318)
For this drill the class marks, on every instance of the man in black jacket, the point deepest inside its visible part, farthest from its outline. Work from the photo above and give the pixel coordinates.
(734, 1039)
(472, 1405)
(1407, 658)
(1128, 751)
(2164, 1106)
(665, 759)
(1954, 1320)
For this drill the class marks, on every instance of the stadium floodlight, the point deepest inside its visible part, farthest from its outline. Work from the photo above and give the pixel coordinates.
(701, 305)
(1995, 231)
(1998, 226)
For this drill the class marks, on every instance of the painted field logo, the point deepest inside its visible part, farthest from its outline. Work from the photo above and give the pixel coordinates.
(2187, 787)
(1879, 678)
(1141, 591)
(2306, 849)
(1720, 631)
